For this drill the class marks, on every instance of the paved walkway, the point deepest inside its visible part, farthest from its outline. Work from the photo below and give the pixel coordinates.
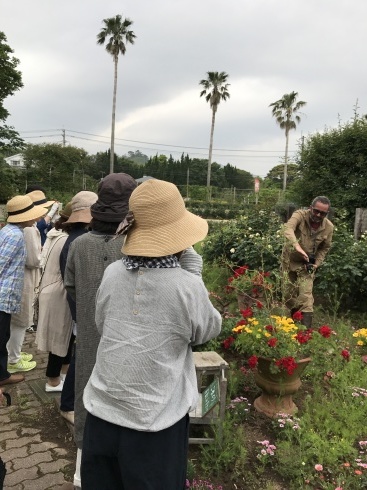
(36, 443)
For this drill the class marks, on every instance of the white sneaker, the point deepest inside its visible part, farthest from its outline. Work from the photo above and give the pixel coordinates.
(58, 387)
(69, 416)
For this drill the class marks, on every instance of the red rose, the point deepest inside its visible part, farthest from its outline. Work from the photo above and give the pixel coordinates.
(241, 322)
(325, 331)
(252, 362)
(346, 354)
(269, 328)
(259, 305)
(287, 363)
(303, 337)
(297, 316)
(228, 342)
(247, 312)
(240, 270)
(272, 342)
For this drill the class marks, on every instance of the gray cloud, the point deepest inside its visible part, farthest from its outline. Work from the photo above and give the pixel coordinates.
(268, 48)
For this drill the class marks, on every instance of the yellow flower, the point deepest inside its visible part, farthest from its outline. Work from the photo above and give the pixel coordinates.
(267, 334)
(362, 332)
(360, 342)
(238, 329)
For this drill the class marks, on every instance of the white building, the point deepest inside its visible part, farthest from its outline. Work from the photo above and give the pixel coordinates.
(15, 161)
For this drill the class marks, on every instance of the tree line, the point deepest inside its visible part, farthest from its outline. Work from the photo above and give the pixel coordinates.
(67, 170)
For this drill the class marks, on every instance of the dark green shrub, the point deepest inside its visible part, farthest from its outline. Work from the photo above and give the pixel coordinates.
(254, 240)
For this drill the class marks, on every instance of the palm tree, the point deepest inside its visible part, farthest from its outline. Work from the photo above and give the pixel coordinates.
(283, 110)
(215, 90)
(117, 34)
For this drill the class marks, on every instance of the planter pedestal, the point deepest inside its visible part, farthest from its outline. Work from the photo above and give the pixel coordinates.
(277, 389)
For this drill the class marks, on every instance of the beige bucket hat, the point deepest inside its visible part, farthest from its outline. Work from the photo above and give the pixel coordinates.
(22, 208)
(162, 225)
(80, 206)
(39, 199)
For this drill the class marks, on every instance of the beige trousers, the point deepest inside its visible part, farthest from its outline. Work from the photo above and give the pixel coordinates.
(298, 290)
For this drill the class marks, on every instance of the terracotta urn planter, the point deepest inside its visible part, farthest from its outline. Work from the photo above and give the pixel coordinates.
(277, 389)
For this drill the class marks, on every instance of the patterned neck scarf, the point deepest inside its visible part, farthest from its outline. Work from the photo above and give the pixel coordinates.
(167, 262)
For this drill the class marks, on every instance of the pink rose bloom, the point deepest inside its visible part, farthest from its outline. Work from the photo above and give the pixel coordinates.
(319, 467)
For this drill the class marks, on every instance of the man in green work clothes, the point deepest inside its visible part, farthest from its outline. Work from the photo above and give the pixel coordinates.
(309, 236)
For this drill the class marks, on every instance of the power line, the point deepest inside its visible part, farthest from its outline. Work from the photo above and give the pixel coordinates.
(159, 144)
(173, 146)
(42, 136)
(176, 151)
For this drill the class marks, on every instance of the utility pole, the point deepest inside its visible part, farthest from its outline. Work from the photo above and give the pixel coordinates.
(63, 137)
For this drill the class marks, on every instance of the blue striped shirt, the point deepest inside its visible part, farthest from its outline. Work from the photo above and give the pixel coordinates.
(12, 262)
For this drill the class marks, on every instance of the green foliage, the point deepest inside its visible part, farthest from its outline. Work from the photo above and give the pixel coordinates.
(334, 163)
(274, 177)
(214, 210)
(217, 343)
(56, 167)
(8, 186)
(116, 34)
(227, 453)
(254, 240)
(329, 432)
(10, 82)
(325, 446)
(285, 111)
(344, 273)
(10, 77)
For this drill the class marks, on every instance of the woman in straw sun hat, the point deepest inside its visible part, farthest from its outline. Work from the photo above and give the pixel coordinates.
(149, 312)
(76, 226)
(44, 225)
(54, 330)
(21, 213)
(88, 258)
(19, 361)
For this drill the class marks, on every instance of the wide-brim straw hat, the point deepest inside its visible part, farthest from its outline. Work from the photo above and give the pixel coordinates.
(39, 199)
(162, 225)
(21, 209)
(80, 206)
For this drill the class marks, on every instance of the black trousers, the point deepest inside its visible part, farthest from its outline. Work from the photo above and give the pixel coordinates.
(117, 458)
(4, 337)
(68, 391)
(55, 362)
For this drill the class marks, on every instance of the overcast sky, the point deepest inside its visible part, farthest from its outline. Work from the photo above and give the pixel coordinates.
(268, 47)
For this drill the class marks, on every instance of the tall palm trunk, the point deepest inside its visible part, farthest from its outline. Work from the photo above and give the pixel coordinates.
(285, 173)
(210, 151)
(112, 155)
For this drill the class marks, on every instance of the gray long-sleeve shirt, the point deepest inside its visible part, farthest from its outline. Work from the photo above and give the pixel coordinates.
(144, 377)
